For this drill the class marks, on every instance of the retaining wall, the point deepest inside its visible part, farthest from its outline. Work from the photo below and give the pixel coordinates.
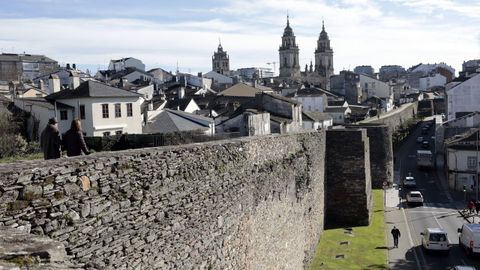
(396, 118)
(250, 203)
(348, 193)
(381, 153)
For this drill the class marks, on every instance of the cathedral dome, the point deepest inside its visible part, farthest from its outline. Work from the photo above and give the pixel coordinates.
(288, 30)
(323, 34)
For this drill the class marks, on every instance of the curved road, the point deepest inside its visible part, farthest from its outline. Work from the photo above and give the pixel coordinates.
(439, 210)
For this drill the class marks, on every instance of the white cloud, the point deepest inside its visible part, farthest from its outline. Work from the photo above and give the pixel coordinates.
(362, 32)
(431, 6)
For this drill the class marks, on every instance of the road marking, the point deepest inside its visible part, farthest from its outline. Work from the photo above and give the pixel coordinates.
(412, 244)
(435, 212)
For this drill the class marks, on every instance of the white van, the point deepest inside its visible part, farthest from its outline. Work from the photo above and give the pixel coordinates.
(435, 239)
(469, 238)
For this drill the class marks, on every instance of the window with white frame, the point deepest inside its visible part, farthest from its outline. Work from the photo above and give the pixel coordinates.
(118, 110)
(129, 110)
(471, 163)
(105, 113)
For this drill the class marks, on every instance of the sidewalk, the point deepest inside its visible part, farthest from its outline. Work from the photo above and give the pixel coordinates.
(460, 205)
(394, 216)
(470, 217)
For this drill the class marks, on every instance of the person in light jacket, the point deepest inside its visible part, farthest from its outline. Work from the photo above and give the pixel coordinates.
(73, 140)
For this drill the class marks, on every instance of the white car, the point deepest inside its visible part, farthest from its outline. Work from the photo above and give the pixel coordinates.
(462, 267)
(469, 238)
(414, 197)
(435, 239)
(409, 182)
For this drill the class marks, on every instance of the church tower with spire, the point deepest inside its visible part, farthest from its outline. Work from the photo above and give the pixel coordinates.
(324, 58)
(289, 60)
(220, 61)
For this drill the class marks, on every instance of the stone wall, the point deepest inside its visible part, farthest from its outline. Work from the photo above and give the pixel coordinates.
(396, 118)
(381, 153)
(250, 203)
(348, 194)
(21, 250)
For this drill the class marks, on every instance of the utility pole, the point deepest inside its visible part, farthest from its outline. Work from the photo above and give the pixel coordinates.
(476, 169)
(274, 66)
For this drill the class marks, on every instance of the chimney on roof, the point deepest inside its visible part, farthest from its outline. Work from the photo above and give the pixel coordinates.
(68, 66)
(73, 80)
(53, 83)
(123, 83)
(12, 89)
(74, 66)
(41, 85)
(181, 92)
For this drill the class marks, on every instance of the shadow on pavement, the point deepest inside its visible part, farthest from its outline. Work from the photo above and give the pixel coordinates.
(375, 266)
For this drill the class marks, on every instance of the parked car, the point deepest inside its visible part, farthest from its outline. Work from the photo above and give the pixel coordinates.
(425, 144)
(414, 197)
(462, 267)
(409, 182)
(424, 130)
(419, 139)
(469, 238)
(435, 239)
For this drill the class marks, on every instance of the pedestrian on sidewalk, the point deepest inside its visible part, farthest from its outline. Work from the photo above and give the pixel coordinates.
(477, 206)
(471, 206)
(396, 234)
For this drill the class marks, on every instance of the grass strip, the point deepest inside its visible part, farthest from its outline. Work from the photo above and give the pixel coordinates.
(22, 157)
(366, 249)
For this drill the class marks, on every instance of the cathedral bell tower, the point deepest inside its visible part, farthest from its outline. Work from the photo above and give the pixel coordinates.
(324, 58)
(220, 61)
(289, 62)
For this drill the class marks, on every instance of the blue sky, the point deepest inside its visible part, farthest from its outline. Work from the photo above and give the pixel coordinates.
(162, 33)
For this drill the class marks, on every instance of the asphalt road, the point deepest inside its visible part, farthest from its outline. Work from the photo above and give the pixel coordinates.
(440, 210)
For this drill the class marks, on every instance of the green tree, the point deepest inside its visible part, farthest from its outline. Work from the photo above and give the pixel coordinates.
(11, 142)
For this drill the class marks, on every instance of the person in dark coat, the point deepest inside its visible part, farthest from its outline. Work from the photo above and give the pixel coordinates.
(396, 234)
(73, 140)
(50, 141)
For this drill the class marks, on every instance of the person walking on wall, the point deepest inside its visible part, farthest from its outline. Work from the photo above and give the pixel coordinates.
(73, 140)
(50, 141)
(396, 234)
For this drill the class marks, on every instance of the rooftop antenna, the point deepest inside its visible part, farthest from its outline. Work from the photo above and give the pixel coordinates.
(177, 67)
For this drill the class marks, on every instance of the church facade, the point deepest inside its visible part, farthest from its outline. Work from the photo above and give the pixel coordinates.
(318, 75)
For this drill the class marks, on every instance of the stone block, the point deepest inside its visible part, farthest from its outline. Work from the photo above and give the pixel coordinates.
(31, 192)
(85, 183)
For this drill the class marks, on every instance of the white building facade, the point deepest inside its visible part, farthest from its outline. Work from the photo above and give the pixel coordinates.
(464, 98)
(431, 81)
(124, 63)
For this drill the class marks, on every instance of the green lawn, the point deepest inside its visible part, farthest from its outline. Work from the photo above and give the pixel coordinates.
(24, 157)
(366, 248)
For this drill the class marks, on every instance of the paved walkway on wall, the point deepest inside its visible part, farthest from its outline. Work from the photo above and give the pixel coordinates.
(388, 114)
